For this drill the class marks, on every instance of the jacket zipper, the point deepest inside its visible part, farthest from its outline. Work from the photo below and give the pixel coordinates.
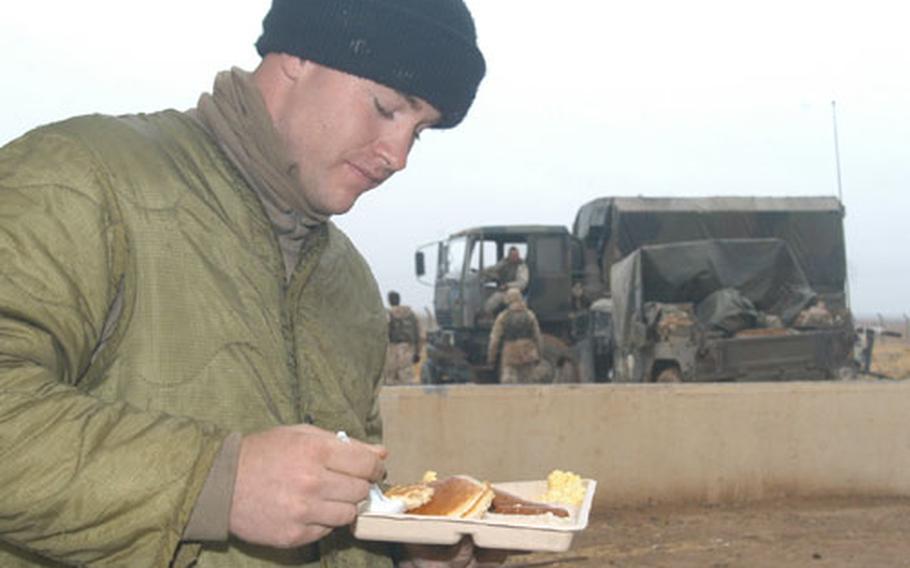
(287, 331)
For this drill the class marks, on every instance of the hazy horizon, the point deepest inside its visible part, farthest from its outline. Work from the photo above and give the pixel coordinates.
(582, 99)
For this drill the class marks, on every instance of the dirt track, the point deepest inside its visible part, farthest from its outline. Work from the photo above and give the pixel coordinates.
(798, 533)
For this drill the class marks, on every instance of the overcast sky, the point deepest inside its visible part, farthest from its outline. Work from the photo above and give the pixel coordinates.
(583, 99)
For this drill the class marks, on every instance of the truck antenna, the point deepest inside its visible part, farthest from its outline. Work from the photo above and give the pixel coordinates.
(840, 196)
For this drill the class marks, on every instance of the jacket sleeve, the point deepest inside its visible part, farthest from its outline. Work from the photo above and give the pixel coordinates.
(492, 272)
(521, 278)
(84, 481)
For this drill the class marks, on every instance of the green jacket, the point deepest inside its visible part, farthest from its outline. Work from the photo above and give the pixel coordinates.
(104, 450)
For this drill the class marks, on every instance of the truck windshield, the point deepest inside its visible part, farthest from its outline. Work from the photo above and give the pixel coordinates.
(453, 260)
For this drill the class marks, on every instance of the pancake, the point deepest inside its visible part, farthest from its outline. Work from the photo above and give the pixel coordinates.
(457, 496)
(413, 495)
(482, 504)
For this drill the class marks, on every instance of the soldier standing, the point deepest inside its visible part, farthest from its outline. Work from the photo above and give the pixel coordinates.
(517, 330)
(404, 343)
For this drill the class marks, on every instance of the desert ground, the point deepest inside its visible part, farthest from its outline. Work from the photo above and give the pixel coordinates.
(891, 358)
(831, 532)
(843, 532)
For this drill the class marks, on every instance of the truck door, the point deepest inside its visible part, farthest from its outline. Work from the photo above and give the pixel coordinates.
(481, 254)
(549, 291)
(448, 299)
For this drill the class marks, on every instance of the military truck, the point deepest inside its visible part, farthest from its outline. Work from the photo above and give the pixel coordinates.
(723, 310)
(570, 276)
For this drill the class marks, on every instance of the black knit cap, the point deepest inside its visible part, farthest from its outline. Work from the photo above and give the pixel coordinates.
(423, 48)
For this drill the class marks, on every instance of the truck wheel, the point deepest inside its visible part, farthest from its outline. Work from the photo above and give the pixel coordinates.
(669, 375)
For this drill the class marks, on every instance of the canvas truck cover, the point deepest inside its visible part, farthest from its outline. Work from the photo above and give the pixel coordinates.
(812, 226)
(763, 270)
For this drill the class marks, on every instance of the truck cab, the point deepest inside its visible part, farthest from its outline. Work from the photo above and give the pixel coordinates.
(462, 285)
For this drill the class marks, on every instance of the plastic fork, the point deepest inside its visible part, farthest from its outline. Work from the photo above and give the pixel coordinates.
(377, 502)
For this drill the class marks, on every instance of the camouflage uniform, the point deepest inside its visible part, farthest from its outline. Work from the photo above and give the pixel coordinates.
(404, 346)
(511, 275)
(517, 330)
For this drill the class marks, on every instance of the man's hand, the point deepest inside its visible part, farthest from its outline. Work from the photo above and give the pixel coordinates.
(296, 483)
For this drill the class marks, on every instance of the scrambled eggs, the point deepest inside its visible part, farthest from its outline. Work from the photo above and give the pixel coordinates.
(564, 487)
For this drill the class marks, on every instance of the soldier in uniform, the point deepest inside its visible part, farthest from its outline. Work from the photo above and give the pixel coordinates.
(517, 331)
(404, 343)
(510, 272)
(184, 329)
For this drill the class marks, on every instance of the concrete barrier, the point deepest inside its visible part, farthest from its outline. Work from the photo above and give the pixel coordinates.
(643, 444)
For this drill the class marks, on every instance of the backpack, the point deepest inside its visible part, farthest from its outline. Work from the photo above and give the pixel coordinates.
(402, 328)
(518, 325)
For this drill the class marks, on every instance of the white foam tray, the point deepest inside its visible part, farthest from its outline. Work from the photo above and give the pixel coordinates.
(511, 532)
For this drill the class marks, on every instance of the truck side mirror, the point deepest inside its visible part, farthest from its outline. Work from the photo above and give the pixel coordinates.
(419, 263)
